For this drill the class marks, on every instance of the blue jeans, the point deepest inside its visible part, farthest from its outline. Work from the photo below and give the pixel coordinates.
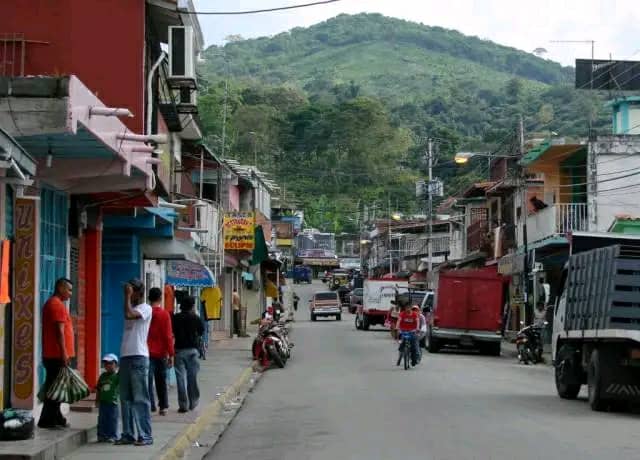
(108, 422)
(187, 367)
(134, 398)
(415, 349)
(158, 374)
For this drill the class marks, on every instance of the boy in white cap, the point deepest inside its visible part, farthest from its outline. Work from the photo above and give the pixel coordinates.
(107, 398)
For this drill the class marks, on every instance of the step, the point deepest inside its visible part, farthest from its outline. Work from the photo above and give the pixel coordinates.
(52, 444)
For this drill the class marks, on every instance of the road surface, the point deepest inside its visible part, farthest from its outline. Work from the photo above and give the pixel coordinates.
(342, 397)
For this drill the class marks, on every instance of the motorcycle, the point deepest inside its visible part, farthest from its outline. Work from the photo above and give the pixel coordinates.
(529, 343)
(271, 345)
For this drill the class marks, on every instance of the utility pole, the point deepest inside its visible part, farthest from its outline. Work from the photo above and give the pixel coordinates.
(389, 242)
(430, 207)
(524, 213)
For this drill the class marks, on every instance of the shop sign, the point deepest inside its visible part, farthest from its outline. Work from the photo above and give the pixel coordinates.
(239, 231)
(24, 302)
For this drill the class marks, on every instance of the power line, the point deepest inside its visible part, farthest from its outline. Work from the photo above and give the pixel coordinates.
(264, 10)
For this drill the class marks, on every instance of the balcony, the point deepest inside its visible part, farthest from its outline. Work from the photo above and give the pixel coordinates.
(558, 219)
(478, 236)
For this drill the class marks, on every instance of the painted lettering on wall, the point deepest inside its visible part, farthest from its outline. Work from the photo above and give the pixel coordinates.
(24, 308)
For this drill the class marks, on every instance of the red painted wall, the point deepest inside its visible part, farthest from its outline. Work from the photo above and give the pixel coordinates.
(102, 42)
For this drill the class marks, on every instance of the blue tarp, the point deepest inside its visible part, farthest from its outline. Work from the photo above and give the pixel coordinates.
(186, 273)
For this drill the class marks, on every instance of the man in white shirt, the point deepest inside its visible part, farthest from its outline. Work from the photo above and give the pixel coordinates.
(134, 367)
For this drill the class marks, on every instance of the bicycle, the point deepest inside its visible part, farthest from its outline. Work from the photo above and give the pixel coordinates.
(405, 349)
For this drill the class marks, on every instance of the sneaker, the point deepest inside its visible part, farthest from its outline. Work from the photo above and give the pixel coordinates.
(124, 442)
(182, 411)
(143, 442)
(163, 412)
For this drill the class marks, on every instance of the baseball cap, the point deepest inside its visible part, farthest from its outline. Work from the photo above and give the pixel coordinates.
(136, 284)
(110, 357)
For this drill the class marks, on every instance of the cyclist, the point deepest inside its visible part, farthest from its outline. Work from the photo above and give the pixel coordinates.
(409, 321)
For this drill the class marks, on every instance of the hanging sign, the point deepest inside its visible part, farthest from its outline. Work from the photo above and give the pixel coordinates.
(239, 231)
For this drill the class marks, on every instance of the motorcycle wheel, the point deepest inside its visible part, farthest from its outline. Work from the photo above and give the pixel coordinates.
(523, 354)
(275, 356)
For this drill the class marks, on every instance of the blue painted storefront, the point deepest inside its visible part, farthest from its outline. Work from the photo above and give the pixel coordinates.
(122, 260)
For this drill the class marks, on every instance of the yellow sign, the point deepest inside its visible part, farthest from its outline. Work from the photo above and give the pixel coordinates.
(239, 231)
(284, 242)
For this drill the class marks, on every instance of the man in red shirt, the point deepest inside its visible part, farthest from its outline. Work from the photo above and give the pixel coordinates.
(409, 321)
(57, 349)
(161, 352)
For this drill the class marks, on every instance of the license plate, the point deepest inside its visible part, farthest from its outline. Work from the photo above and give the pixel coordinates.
(466, 340)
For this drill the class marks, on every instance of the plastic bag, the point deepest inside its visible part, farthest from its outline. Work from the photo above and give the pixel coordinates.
(68, 387)
(16, 425)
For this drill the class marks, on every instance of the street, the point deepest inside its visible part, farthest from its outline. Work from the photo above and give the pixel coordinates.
(342, 397)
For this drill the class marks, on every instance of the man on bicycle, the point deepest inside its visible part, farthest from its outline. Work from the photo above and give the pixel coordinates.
(409, 321)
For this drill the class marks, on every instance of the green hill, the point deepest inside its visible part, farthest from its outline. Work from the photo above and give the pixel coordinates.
(304, 95)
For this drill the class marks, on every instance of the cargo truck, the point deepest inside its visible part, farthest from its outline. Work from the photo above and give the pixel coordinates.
(596, 326)
(376, 301)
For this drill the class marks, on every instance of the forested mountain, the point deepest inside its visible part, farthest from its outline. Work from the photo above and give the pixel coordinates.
(339, 112)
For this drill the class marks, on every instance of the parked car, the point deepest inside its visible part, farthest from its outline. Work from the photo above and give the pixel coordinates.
(468, 311)
(325, 303)
(355, 299)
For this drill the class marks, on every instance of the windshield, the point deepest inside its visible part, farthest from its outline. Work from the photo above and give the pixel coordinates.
(358, 292)
(326, 296)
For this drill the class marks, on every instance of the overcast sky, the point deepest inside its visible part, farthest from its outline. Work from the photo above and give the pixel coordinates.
(523, 24)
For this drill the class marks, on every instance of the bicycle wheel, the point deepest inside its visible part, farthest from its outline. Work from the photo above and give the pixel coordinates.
(400, 354)
(406, 355)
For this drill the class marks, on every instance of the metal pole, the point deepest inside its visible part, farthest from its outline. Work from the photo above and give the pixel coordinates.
(525, 286)
(389, 234)
(430, 213)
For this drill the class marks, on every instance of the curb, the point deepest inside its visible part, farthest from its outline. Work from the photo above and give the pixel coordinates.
(183, 442)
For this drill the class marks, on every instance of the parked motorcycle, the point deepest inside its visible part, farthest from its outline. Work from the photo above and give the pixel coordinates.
(529, 344)
(271, 345)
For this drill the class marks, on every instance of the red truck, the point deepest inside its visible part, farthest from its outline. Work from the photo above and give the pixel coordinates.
(468, 310)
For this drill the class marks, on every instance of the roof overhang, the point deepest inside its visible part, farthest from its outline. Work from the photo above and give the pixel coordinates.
(13, 157)
(548, 152)
(77, 143)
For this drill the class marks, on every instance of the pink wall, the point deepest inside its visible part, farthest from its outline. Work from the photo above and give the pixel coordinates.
(102, 42)
(234, 198)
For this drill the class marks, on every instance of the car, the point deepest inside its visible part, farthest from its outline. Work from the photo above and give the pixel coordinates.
(354, 299)
(325, 303)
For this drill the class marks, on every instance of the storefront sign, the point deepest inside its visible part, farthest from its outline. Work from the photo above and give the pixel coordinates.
(320, 262)
(284, 242)
(239, 231)
(187, 273)
(24, 302)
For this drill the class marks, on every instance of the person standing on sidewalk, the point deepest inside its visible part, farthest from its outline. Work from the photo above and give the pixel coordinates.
(57, 349)
(134, 367)
(236, 305)
(160, 342)
(107, 398)
(188, 329)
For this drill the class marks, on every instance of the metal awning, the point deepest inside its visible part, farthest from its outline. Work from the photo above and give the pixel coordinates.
(13, 156)
(170, 249)
(186, 273)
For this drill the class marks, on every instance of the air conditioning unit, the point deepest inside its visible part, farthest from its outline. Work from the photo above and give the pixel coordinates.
(181, 53)
(187, 101)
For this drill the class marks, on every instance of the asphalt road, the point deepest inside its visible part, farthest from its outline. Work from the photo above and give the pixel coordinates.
(342, 397)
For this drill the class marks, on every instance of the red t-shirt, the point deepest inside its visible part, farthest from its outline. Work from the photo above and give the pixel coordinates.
(54, 312)
(160, 337)
(409, 321)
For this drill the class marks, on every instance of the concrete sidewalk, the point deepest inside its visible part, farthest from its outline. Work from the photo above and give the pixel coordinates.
(226, 369)
(227, 372)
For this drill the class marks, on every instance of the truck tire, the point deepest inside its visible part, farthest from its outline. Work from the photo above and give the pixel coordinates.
(565, 371)
(365, 322)
(491, 348)
(313, 317)
(433, 346)
(338, 317)
(594, 382)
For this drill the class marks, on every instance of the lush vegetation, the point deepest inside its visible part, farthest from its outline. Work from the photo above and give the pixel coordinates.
(340, 112)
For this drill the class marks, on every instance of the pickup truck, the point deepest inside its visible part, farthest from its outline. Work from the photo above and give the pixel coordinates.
(596, 325)
(468, 311)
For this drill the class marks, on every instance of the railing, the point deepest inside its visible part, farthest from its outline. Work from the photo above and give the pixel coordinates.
(558, 219)
(417, 244)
